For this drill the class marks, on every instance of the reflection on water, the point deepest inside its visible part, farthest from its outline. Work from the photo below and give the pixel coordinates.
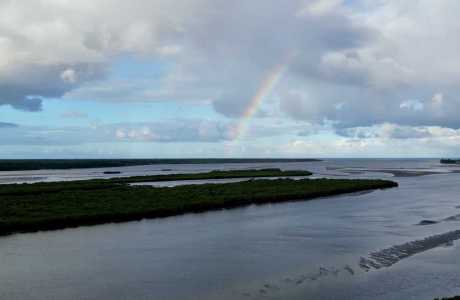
(299, 250)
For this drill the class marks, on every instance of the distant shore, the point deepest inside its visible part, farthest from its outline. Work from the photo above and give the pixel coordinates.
(450, 161)
(47, 206)
(63, 164)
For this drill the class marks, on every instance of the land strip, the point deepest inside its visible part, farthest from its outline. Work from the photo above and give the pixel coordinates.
(62, 164)
(45, 206)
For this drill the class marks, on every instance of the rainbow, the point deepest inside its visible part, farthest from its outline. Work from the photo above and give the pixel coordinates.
(265, 89)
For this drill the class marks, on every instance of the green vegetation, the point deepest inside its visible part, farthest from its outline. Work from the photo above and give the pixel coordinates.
(452, 298)
(213, 175)
(47, 187)
(450, 161)
(55, 164)
(42, 206)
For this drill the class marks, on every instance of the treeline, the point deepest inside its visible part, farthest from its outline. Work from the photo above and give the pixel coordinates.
(450, 161)
(59, 164)
(32, 207)
(92, 184)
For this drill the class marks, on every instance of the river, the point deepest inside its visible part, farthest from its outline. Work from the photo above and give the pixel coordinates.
(298, 250)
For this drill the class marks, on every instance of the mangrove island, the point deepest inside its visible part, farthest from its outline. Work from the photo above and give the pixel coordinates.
(55, 205)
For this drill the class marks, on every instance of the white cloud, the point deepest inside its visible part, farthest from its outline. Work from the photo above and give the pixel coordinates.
(438, 99)
(411, 55)
(49, 47)
(69, 76)
(414, 105)
(357, 62)
(395, 131)
(120, 134)
(321, 7)
(387, 140)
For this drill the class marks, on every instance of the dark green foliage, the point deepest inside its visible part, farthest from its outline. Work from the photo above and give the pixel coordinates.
(40, 164)
(213, 175)
(450, 161)
(31, 207)
(49, 187)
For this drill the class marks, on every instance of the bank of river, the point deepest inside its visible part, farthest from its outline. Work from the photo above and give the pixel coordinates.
(293, 250)
(40, 206)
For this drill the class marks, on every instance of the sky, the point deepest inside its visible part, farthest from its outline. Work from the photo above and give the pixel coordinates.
(218, 78)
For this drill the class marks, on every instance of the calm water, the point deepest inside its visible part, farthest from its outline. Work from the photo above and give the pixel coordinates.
(299, 250)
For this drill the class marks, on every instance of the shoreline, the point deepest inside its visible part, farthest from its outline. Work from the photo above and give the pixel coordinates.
(36, 207)
(7, 165)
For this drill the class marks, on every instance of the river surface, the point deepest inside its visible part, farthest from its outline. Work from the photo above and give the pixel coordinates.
(297, 250)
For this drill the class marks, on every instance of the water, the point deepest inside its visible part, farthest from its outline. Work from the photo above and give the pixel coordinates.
(348, 167)
(298, 250)
(206, 181)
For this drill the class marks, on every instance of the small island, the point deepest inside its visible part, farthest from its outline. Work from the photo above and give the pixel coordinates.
(216, 174)
(46, 206)
(450, 161)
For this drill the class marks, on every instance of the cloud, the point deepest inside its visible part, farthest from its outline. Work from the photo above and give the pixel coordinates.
(48, 48)
(321, 7)
(179, 138)
(69, 76)
(186, 131)
(377, 80)
(7, 125)
(437, 100)
(24, 87)
(414, 105)
(356, 63)
(389, 141)
(394, 131)
(165, 131)
(66, 43)
(172, 131)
